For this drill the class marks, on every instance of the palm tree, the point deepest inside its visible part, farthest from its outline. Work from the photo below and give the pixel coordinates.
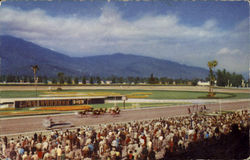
(211, 65)
(35, 68)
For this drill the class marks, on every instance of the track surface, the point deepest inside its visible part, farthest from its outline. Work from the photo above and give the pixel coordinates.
(29, 124)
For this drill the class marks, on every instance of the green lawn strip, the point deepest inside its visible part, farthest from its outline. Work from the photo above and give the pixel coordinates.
(19, 94)
(151, 94)
(230, 88)
(135, 105)
(241, 95)
(219, 96)
(30, 111)
(17, 113)
(144, 105)
(27, 112)
(166, 94)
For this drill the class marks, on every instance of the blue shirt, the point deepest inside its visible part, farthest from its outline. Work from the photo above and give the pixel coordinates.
(207, 135)
(21, 151)
(91, 147)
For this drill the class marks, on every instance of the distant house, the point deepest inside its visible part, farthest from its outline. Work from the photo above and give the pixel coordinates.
(199, 83)
(108, 82)
(49, 82)
(102, 82)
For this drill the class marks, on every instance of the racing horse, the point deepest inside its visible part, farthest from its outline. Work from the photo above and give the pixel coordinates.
(115, 111)
(84, 112)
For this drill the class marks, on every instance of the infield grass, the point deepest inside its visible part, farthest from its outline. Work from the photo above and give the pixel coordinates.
(147, 94)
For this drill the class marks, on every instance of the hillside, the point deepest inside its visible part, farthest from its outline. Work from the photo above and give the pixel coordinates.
(18, 55)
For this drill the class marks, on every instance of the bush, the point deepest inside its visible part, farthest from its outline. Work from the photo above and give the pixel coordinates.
(59, 89)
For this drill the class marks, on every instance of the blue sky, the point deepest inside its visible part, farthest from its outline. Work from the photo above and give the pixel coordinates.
(190, 33)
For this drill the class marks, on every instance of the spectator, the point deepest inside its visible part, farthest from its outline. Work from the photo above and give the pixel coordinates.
(181, 137)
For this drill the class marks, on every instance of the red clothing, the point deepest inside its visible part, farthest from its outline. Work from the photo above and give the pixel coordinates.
(127, 140)
(145, 140)
(195, 137)
(171, 144)
(130, 156)
(40, 154)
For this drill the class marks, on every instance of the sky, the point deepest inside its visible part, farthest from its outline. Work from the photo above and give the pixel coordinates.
(190, 33)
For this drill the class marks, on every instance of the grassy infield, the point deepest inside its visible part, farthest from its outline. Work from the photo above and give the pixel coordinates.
(147, 94)
(151, 94)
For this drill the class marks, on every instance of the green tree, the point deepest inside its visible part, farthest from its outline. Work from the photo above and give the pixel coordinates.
(69, 80)
(236, 79)
(54, 81)
(137, 80)
(76, 80)
(194, 82)
(170, 80)
(143, 80)
(2, 78)
(98, 80)
(222, 77)
(40, 79)
(91, 80)
(60, 76)
(120, 80)
(45, 80)
(131, 79)
(84, 80)
(114, 79)
(163, 80)
(225, 78)
(25, 79)
(31, 79)
(18, 78)
(151, 79)
(11, 78)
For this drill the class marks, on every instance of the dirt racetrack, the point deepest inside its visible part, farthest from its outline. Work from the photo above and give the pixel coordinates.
(35, 123)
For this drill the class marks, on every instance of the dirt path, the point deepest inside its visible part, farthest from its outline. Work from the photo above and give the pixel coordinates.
(30, 124)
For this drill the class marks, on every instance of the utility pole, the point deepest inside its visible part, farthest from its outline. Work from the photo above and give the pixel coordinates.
(124, 98)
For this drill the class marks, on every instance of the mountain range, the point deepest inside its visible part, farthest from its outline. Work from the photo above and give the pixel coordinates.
(18, 55)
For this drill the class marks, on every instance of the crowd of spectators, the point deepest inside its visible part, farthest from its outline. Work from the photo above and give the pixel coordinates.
(185, 137)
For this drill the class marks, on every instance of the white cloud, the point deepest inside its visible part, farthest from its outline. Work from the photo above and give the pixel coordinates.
(233, 60)
(79, 35)
(162, 36)
(227, 51)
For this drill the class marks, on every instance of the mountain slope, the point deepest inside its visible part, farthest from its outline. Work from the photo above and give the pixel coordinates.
(18, 55)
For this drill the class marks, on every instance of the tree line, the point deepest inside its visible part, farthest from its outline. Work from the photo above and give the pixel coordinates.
(223, 78)
(61, 78)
